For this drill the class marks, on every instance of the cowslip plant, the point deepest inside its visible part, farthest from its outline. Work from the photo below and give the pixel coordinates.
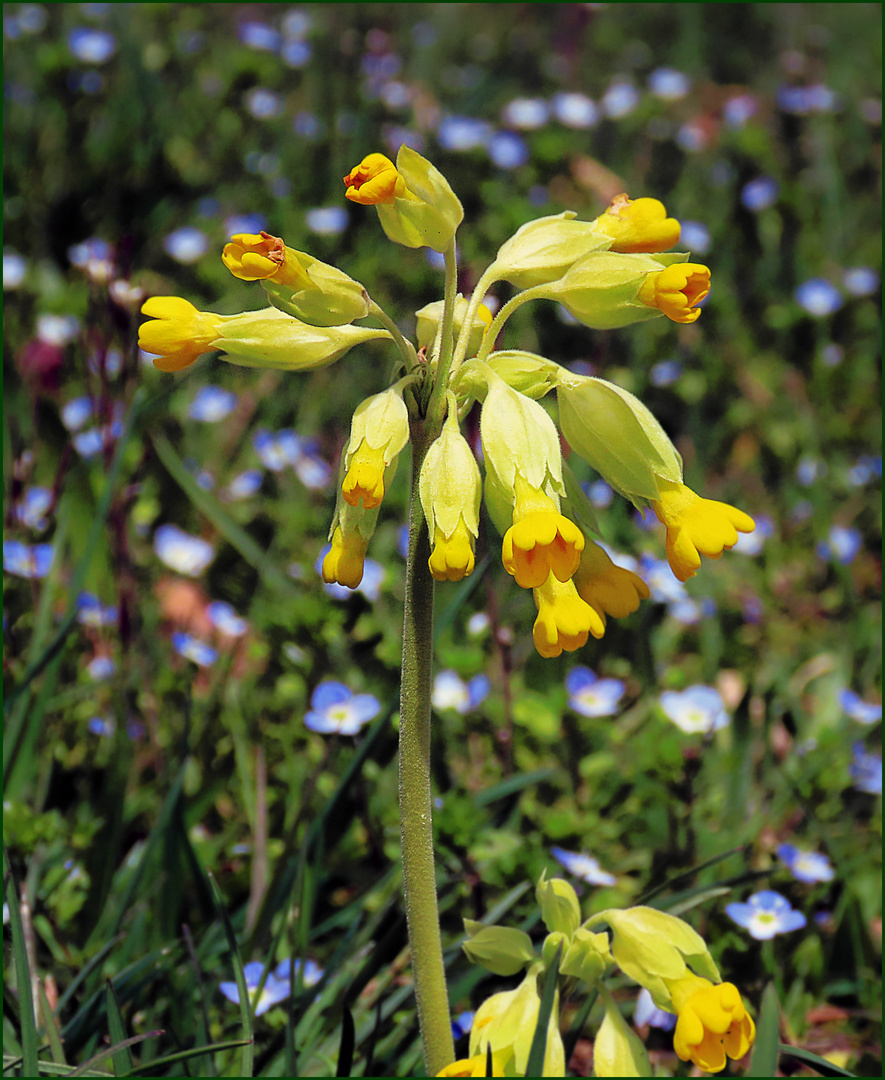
(608, 273)
(658, 951)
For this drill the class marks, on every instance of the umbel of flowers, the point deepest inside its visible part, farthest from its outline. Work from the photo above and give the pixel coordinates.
(609, 272)
(654, 949)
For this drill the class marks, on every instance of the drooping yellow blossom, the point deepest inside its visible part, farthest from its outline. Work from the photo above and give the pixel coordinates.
(179, 333)
(365, 477)
(452, 557)
(375, 180)
(677, 290)
(262, 257)
(379, 430)
(564, 620)
(639, 225)
(508, 1020)
(712, 1022)
(609, 589)
(502, 1065)
(343, 564)
(696, 526)
(541, 541)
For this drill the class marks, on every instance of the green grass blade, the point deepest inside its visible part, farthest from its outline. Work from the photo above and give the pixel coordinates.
(113, 1051)
(819, 1064)
(577, 1028)
(248, 1054)
(513, 784)
(236, 536)
(348, 1039)
(122, 1060)
(53, 1032)
(28, 1025)
(535, 1063)
(765, 1051)
(153, 1066)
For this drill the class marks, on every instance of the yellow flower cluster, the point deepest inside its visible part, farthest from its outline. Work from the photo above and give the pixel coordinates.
(608, 272)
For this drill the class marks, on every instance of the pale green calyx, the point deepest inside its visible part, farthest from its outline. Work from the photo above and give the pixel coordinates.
(542, 250)
(429, 214)
(526, 372)
(502, 950)
(613, 431)
(273, 339)
(654, 948)
(618, 1051)
(382, 420)
(329, 296)
(588, 956)
(560, 909)
(602, 289)
(430, 316)
(450, 486)
(510, 1019)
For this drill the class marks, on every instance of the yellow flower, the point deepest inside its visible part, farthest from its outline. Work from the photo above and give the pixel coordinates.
(365, 476)
(712, 1022)
(343, 563)
(179, 333)
(375, 180)
(677, 290)
(564, 619)
(476, 1066)
(452, 557)
(262, 257)
(609, 589)
(639, 225)
(540, 541)
(696, 527)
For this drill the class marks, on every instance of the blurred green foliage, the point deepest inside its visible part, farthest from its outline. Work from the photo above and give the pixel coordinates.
(775, 408)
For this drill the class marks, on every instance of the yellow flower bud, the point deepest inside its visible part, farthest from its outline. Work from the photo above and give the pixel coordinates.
(263, 257)
(712, 1022)
(609, 589)
(677, 290)
(375, 180)
(617, 1050)
(450, 487)
(430, 316)
(526, 372)
(267, 338)
(588, 956)
(503, 950)
(696, 527)
(509, 1019)
(415, 204)
(639, 225)
(564, 620)
(378, 432)
(559, 905)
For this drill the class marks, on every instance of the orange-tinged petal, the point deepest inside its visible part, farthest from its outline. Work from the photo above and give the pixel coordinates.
(374, 180)
(697, 526)
(677, 290)
(639, 225)
(365, 477)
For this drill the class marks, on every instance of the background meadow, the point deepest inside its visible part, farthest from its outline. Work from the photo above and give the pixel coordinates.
(179, 799)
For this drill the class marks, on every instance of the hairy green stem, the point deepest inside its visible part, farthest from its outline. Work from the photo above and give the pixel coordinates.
(416, 824)
(406, 348)
(504, 314)
(488, 278)
(436, 404)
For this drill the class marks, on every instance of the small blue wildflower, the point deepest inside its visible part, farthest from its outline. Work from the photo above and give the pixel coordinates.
(865, 712)
(620, 99)
(182, 552)
(312, 972)
(307, 125)
(91, 611)
(738, 110)
(760, 193)
(244, 223)
(766, 914)
(224, 618)
(508, 150)
(599, 493)
(187, 244)
(275, 990)
(752, 543)
(668, 84)
(526, 113)
(193, 649)
(693, 137)
(91, 46)
(584, 867)
(477, 624)
(296, 23)
(687, 611)
(666, 372)
(864, 470)
(832, 355)
(842, 545)
(809, 470)
(451, 692)
(648, 1014)
(101, 668)
(211, 404)
(27, 562)
(861, 281)
(807, 866)
(698, 710)
(665, 587)
(57, 329)
(313, 472)
(245, 484)
(296, 53)
(326, 220)
(463, 133)
(258, 35)
(818, 297)
(33, 508)
(263, 104)
(575, 110)
(15, 267)
(101, 725)
(335, 709)
(402, 540)
(591, 696)
(866, 771)
(461, 1024)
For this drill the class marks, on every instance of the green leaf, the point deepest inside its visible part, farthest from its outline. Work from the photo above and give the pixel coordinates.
(819, 1064)
(535, 1063)
(765, 1051)
(28, 1024)
(245, 1005)
(122, 1061)
(348, 1037)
